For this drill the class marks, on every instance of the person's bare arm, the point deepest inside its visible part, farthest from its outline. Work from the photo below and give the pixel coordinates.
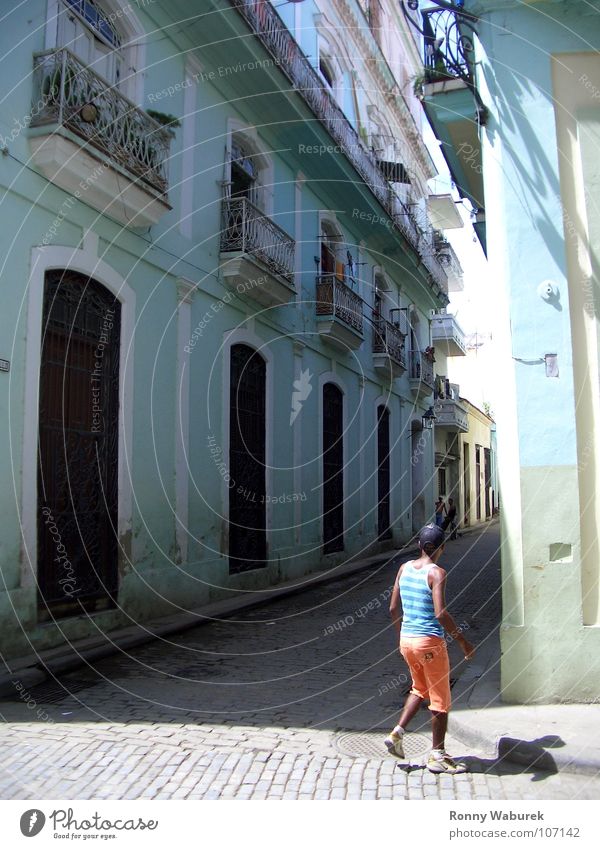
(438, 591)
(396, 605)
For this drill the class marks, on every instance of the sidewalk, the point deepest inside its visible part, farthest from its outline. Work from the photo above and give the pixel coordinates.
(551, 738)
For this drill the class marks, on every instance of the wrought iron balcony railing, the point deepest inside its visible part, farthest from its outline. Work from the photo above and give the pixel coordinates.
(69, 93)
(421, 368)
(448, 44)
(270, 29)
(447, 256)
(247, 229)
(387, 339)
(336, 299)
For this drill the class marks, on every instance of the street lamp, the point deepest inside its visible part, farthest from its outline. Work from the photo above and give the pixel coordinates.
(428, 419)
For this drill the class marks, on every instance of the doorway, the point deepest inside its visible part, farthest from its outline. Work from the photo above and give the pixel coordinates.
(383, 473)
(78, 446)
(247, 441)
(333, 469)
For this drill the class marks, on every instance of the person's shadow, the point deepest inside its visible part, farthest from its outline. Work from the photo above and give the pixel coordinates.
(526, 757)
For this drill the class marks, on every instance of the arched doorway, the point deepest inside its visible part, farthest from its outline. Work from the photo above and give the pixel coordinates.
(247, 440)
(333, 468)
(383, 473)
(78, 446)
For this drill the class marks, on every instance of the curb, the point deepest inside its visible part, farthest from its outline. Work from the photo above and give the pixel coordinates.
(526, 753)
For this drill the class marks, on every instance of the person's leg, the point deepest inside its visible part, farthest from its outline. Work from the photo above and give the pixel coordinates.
(437, 674)
(439, 726)
(410, 709)
(413, 701)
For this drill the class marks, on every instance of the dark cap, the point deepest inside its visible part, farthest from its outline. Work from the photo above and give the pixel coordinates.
(431, 534)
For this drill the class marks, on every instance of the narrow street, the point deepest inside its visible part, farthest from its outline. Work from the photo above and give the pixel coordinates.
(288, 700)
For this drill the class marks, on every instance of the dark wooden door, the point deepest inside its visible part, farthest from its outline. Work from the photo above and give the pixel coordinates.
(383, 473)
(78, 446)
(488, 482)
(247, 437)
(333, 468)
(467, 483)
(478, 481)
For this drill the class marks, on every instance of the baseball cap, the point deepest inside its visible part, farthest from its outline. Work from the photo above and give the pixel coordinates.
(431, 534)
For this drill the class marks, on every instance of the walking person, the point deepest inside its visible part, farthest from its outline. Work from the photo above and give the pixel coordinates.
(440, 509)
(450, 520)
(418, 611)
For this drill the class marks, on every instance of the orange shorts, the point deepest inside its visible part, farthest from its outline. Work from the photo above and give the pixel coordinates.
(427, 659)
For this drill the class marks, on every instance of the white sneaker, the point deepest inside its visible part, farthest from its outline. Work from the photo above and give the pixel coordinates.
(393, 743)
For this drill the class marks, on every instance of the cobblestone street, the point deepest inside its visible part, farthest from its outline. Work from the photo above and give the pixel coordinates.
(288, 700)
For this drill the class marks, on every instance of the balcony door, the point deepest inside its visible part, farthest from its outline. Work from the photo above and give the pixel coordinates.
(244, 174)
(247, 441)
(78, 446)
(333, 469)
(88, 31)
(383, 473)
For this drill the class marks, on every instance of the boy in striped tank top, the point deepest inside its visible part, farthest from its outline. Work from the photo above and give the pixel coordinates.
(418, 610)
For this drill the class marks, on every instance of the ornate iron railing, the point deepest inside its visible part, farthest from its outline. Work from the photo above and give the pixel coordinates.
(69, 93)
(246, 228)
(448, 44)
(334, 298)
(387, 339)
(421, 368)
(269, 28)
(447, 256)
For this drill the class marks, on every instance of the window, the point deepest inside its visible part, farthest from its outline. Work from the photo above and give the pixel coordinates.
(89, 32)
(96, 19)
(330, 250)
(327, 71)
(441, 482)
(244, 176)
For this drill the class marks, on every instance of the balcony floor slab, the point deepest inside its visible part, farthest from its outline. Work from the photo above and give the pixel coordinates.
(85, 173)
(338, 334)
(247, 275)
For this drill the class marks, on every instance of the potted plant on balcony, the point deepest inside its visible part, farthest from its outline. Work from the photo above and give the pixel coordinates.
(170, 122)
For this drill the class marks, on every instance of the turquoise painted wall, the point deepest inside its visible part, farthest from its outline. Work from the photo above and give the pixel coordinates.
(155, 581)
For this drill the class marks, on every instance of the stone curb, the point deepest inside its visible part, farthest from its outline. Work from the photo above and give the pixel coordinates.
(522, 752)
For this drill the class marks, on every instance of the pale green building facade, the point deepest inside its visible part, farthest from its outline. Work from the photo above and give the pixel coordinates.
(213, 319)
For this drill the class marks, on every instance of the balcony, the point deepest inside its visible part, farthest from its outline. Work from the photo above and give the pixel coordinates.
(339, 313)
(93, 142)
(257, 256)
(451, 99)
(447, 257)
(447, 335)
(266, 24)
(420, 375)
(389, 356)
(451, 416)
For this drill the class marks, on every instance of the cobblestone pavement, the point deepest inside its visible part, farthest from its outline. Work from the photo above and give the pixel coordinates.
(287, 701)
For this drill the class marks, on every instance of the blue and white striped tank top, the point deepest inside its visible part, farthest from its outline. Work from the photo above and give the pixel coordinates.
(418, 618)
